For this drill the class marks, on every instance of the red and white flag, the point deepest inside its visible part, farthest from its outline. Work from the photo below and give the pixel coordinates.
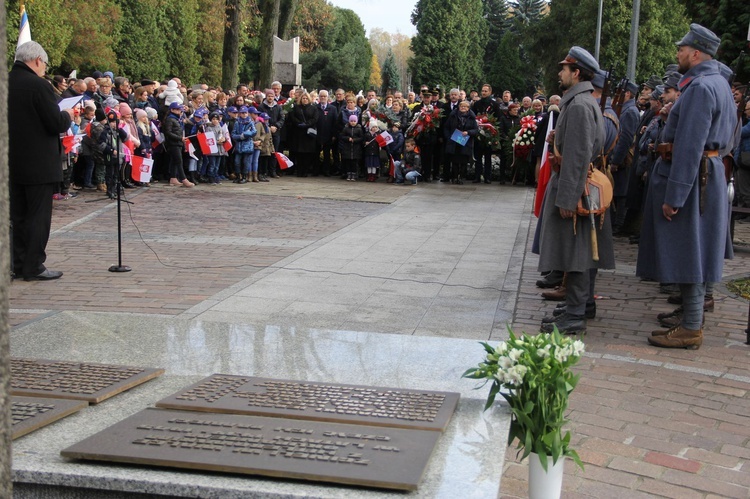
(208, 143)
(157, 135)
(71, 143)
(391, 167)
(284, 162)
(190, 149)
(142, 167)
(228, 144)
(545, 171)
(383, 139)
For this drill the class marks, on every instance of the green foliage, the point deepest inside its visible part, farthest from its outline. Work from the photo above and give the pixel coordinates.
(211, 18)
(495, 12)
(527, 12)
(535, 372)
(92, 45)
(50, 26)
(311, 21)
(345, 57)
(507, 70)
(142, 48)
(449, 33)
(729, 19)
(661, 24)
(179, 27)
(389, 71)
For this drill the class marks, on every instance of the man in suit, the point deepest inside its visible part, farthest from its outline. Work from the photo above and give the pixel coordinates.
(34, 156)
(328, 118)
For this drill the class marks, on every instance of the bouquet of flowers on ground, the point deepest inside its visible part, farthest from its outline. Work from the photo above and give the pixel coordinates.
(533, 375)
(425, 121)
(523, 142)
(489, 136)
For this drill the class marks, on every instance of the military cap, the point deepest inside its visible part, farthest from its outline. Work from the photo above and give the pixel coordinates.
(581, 58)
(726, 72)
(653, 82)
(657, 92)
(702, 39)
(632, 88)
(672, 80)
(435, 91)
(600, 77)
(672, 68)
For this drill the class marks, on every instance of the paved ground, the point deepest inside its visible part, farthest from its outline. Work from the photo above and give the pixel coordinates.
(434, 260)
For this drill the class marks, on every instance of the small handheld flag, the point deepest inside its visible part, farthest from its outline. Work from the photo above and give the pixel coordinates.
(207, 143)
(383, 139)
(284, 162)
(141, 170)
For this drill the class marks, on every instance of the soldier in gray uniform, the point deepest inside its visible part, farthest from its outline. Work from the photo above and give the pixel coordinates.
(621, 159)
(685, 235)
(565, 239)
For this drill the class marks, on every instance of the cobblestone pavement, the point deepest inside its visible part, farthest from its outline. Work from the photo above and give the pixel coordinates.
(646, 422)
(185, 245)
(650, 422)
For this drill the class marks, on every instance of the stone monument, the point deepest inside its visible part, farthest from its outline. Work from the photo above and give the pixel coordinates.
(286, 66)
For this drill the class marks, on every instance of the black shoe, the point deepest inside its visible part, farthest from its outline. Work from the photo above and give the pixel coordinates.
(590, 312)
(47, 275)
(566, 324)
(551, 280)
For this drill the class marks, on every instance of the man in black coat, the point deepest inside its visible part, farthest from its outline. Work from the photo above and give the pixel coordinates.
(486, 105)
(328, 118)
(34, 159)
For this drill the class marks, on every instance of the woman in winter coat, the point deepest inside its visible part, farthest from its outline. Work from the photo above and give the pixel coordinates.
(465, 122)
(303, 119)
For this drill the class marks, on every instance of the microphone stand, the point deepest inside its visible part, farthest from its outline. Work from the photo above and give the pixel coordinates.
(118, 185)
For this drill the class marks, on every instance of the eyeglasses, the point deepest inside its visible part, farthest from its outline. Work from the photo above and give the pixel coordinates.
(46, 63)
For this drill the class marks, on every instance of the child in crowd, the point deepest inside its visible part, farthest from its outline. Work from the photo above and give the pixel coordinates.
(114, 156)
(372, 153)
(242, 135)
(85, 156)
(408, 168)
(214, 160)
(266, 147)
(350, 145)
(196, 167)
(228, 163)
(396, 148)
(256, 144)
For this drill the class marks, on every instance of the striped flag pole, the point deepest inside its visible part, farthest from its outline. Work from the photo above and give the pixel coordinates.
(24, 31)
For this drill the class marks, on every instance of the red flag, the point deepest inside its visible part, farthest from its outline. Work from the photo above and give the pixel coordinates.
(284, 162)
(207, 142)
(141, 170)
(228, 144)
(392, 169)
(71, 143)
(545, 171)
(383, 139)
(190, 148)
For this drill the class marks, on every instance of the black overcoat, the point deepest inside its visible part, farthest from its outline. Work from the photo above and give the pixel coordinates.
(36, 123)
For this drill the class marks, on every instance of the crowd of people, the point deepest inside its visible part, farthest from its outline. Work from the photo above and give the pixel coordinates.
(667, 149)
(364, 135)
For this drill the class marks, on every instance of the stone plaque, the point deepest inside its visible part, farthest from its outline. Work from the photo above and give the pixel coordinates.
(391, 458)
(74, 380)
(31, 413)
(353, 404)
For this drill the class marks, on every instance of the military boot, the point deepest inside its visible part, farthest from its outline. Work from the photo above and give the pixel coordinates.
(566, 323)
(677, 337)
(560, 309)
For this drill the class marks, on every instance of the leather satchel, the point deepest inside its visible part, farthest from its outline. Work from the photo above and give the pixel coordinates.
(597, 194)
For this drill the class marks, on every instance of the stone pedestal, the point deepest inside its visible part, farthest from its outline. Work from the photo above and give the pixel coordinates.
(286, 66)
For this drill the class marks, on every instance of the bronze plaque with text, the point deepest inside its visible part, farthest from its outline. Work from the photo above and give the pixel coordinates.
(354, 404)
(391, 458)
(74, 380)
(31, 413)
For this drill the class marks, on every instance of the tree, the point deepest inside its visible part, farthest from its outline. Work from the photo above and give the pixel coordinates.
(211, 24)
(286, 18)
(141, 49)
(311, 21)
(376, 79)
(390, 73)
(729, 19)
(94, 50)
(450, 33)
(181, 17)
(50, 26)
(508, 71)
(402, 52)
(661, 24)
(231, 45)
(528, 12)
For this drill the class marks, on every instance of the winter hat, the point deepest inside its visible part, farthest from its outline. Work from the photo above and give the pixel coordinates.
(97, 74)
(110, 102)
(110, 75)
(124, 109)
(151, 113)
(214, 115)
(353, 118)
(140, 113)
(99, 115)
(171, 93)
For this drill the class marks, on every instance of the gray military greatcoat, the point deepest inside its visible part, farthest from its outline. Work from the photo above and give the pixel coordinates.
(579, 137)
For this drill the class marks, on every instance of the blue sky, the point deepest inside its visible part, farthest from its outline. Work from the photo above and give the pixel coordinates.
(390, 15)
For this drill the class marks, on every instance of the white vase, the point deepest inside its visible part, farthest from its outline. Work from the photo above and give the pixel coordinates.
(545, 484)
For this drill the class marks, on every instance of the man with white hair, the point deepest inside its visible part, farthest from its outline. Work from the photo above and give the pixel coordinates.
(33, 159)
